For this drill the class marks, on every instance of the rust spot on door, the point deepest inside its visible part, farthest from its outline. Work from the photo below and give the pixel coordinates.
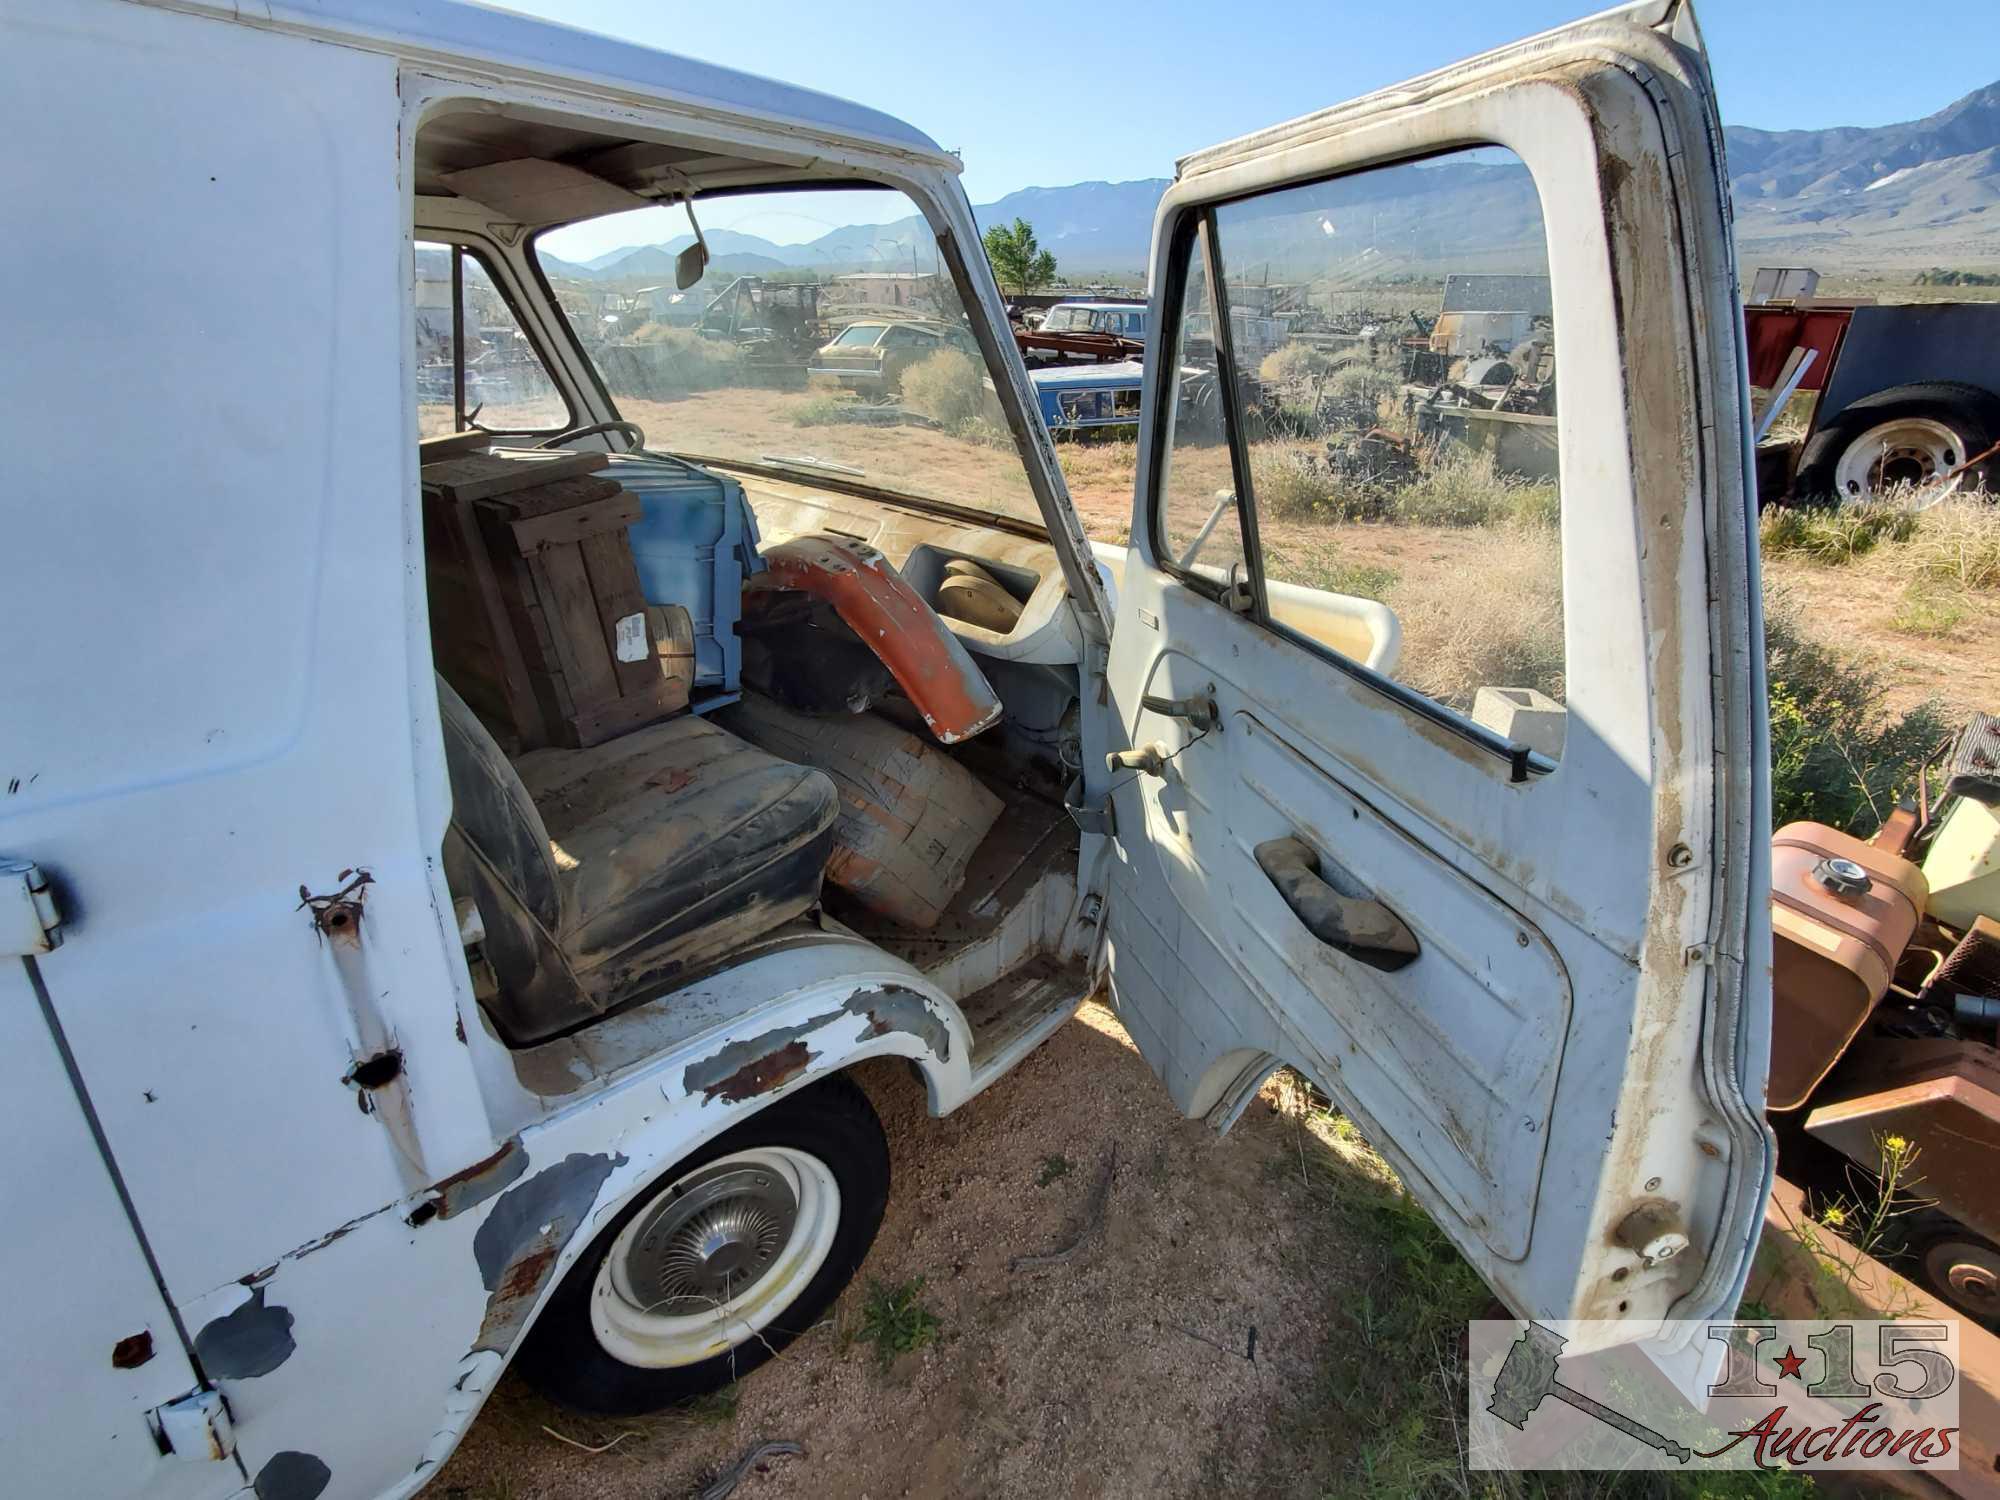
(132, 1351)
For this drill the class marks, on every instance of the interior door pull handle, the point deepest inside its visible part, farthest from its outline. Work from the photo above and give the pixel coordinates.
(1358, 926)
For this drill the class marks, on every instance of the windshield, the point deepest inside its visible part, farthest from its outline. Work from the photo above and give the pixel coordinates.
(730, 368)
(1067, 320)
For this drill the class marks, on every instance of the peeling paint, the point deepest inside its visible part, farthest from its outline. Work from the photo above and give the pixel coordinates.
(894, 1008)
(517, 1245)
(759, 1064)
(252, 1340)
(288, 1475)
(743, 1070)
(480, 1181)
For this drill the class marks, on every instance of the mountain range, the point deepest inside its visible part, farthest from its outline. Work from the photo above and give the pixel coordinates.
(1920, 193)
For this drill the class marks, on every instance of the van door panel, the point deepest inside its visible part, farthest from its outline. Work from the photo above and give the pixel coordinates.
(80, 1289)
(1584, 1021)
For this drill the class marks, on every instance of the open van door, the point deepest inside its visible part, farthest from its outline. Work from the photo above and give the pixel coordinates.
(1439, 658)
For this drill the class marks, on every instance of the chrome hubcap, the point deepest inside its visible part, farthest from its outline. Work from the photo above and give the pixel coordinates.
(711, 1242)
(715, 1257)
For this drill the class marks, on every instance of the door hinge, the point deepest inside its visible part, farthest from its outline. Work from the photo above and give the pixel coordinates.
(29, 921)
(196, 1427)
(1090, 817)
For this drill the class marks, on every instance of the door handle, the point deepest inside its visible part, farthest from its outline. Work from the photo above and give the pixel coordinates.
(1359, 926)
(1151, 759)
(1197, 708)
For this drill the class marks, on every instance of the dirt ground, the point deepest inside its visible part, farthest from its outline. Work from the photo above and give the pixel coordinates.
(1125, 1370)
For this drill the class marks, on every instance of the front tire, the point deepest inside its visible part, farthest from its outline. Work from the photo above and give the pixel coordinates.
(732, 1254)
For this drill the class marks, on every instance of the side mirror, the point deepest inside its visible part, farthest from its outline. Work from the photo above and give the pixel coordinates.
(693, 261)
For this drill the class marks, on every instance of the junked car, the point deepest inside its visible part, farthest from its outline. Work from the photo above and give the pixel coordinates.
(362, 1043)
(874, 355)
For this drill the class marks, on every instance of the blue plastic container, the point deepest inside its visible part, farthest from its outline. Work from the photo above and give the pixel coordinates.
(695, 544)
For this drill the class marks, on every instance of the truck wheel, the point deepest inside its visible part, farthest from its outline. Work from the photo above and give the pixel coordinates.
(1958, 1266)
(1906, 440)
(735, 1252)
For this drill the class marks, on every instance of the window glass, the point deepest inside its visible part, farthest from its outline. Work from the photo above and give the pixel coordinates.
(827, 336)
(478, 355)
(1392, 336)
(1200, 530)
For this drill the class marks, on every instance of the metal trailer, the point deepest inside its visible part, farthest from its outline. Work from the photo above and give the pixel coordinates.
(1909, 396)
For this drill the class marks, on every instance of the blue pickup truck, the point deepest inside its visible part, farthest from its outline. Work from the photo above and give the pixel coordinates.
(1074, 397)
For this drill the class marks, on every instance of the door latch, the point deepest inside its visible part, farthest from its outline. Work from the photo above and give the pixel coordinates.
(29, 921)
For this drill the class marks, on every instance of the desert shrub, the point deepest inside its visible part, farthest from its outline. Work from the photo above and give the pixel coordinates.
(664, 361)
(1837, 756)
(1493, 620)
(1535, 505)
(1294, 484)
(1834, 536)
(819, 411)
(1463, 487)
(949, 388)
(1294, 364)
(1364, 383)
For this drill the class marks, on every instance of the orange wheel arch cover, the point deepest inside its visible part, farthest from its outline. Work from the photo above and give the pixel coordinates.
(929, 663)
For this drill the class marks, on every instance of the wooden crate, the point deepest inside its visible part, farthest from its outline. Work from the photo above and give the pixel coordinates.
(537, 618)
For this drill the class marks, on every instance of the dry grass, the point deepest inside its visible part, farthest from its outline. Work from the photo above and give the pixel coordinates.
(1931, 610)
(1834, 536)
(1512, 638)
(1958, 543)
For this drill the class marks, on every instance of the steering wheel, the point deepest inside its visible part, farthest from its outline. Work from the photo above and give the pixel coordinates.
(632, 430)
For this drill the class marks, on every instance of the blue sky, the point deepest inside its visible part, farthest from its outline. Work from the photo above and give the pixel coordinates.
(1029, 101)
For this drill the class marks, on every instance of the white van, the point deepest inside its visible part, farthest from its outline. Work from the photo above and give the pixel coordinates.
(352, 1056)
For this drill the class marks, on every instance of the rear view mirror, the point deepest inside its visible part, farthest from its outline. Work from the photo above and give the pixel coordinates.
(693, 261)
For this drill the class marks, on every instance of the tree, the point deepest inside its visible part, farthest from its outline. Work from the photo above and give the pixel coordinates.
(1019, 264)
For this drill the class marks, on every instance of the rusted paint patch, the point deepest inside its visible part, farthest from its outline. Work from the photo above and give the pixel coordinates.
(742, 1071)
(132, 1351)
(252, 1340)
(517, 1245)
(336, 917)
(480, 1181)
(759, 1064)
(292, 1476)
(891, 1007)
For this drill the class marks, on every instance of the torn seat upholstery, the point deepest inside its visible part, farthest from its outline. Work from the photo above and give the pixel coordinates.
(601, 874)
